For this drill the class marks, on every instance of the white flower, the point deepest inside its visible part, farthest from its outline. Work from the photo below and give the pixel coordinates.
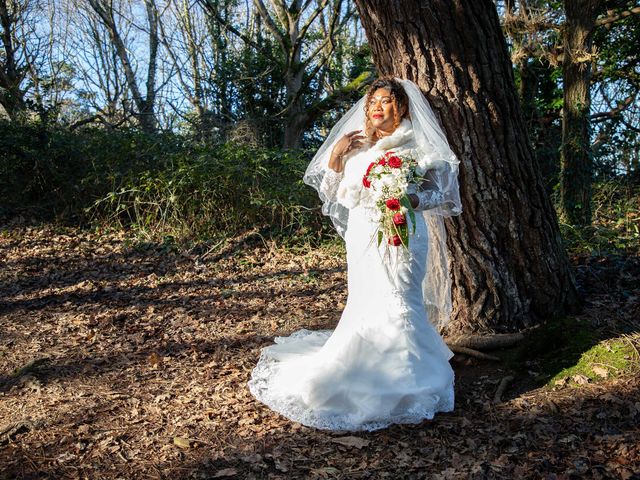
(375, 214)
(388, 180)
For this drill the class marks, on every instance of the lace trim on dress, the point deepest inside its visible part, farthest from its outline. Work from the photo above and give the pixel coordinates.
(292, 407)
(330, 182)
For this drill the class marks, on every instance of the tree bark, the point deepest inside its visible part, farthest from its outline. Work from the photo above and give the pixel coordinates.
(576, 159)
(11, 73)
(508, 265)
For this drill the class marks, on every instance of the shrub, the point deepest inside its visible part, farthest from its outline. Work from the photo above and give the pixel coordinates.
(616, 222)
(160, 185)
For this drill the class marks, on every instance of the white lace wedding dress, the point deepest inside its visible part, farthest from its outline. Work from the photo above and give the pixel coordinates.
(384, 363)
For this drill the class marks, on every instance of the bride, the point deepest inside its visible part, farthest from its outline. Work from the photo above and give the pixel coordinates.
(385, 362)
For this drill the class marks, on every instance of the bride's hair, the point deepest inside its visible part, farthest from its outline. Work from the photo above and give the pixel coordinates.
(398, 95)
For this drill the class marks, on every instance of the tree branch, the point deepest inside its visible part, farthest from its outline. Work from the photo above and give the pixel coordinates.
(281, 12)
(312, 17)
(346, 94)
(152, 17)
(623, 105)
(109, 22)
(214, 13)
(271, 25)
(483, 342)
(617, 16)
(629, 126)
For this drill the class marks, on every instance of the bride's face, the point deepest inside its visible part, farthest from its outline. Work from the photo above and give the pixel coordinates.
(380, 111)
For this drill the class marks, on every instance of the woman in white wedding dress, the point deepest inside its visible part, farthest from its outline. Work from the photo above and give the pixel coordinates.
(385, 362)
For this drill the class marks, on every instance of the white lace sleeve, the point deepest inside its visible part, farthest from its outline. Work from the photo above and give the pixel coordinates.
(330, 182)
(429, 194)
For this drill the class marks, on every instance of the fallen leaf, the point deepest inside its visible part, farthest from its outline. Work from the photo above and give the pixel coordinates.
(326, 472)
(626, 474)
(154, 359)
(182, 442)
(552, 406)
(601, 372)
(561, 382)
(580, 379)
(226, 472)
(84, 429)
(351, 441)
(33, 384)
(58, 295)
(254, 458)
(569, 438)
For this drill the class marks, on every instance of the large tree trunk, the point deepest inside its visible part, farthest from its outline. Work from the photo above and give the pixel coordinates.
(576, 165)
(509, 267)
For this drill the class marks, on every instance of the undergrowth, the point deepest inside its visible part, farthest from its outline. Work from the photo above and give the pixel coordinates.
(162, 188)
(560, 350)
(616, 222)
(169, 189)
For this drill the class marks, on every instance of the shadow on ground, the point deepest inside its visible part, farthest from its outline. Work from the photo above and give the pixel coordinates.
(116, 363)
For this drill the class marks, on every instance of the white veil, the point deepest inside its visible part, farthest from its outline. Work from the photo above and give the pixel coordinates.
(436, 151)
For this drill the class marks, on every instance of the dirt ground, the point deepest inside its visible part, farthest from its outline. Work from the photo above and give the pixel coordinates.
(123, 362)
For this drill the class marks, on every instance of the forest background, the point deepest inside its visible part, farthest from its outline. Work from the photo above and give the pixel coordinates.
(155, 234)
(186, 121)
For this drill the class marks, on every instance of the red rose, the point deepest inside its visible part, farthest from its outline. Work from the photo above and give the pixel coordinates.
(399, 219)
(396, 241)
(371, 165)
(382, 161)
(365, 179)
(393, 204)
(394, 162)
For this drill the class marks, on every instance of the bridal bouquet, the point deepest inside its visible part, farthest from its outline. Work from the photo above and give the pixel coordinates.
(388, 179)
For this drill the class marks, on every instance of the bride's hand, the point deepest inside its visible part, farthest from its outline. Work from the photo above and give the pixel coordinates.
(351, 141)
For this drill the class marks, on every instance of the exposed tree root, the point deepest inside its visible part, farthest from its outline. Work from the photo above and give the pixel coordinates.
(486, 342)
(497, 398)
(472, 353)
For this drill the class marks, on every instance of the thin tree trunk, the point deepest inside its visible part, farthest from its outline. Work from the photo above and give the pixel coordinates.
(305, 119)
(194, 61)
(148, 114)
(576, 159)
(509, 268)
(144, 105)
(11, 75)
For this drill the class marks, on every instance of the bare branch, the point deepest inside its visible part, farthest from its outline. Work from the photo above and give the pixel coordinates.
(321, 6)
(617, 16)
(227, 25)
(144, 105)
(614, 112)
(271, 25)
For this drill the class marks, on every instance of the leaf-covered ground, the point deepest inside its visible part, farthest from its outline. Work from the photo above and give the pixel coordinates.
(123, 362)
